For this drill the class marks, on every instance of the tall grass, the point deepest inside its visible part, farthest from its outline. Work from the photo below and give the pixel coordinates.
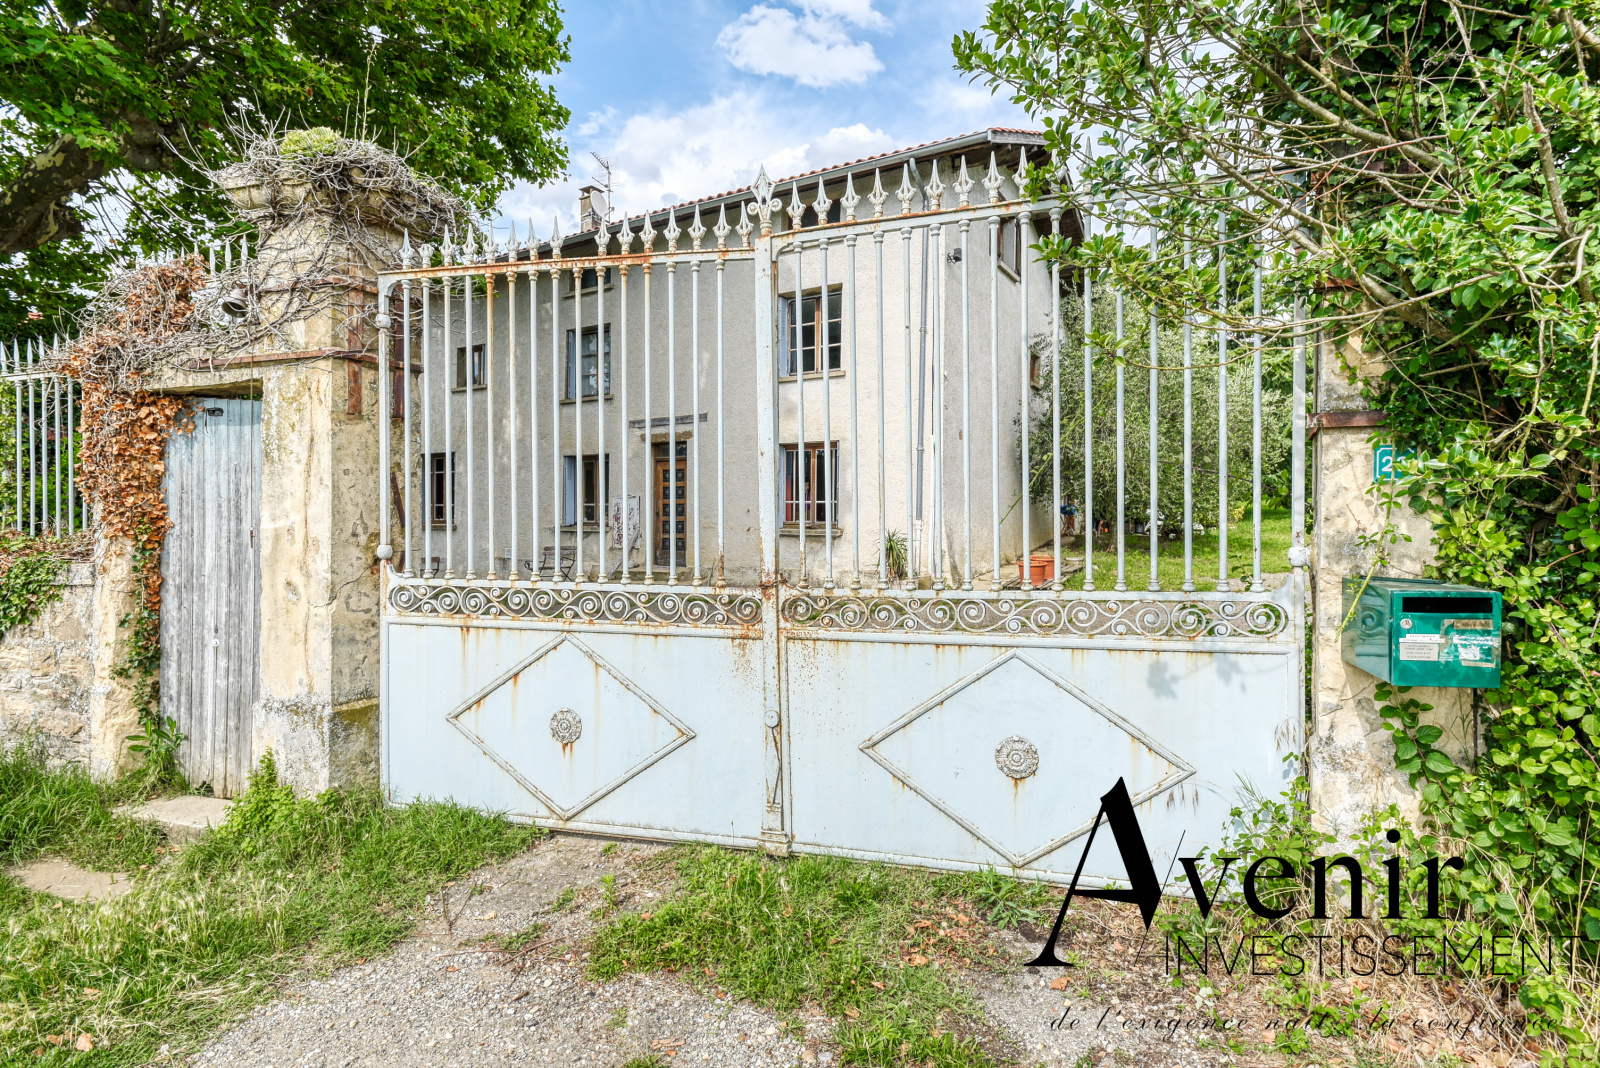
(205, 933)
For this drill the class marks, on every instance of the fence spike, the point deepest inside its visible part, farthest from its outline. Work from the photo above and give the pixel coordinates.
(762, 188)
(671, 232)
(964, 184)
(992, 180)
(697, 230)
(822, 203)
(796, 208)
(647, 234)
(745, 227)
(850, 198)
(722, 229)
(907, 189)
(935, 189)
(877, 196)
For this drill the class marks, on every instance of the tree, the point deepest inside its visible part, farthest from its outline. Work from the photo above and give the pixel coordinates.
(1423, 172)
(120, 100)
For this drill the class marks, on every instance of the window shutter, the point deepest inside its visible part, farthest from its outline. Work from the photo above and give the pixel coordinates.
(786, 342)
(572, 364)
(569, 499)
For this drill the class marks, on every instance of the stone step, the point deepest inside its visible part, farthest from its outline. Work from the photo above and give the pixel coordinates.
(181, 818)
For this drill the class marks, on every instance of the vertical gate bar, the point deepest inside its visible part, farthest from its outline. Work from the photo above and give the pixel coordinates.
(602, 346)
(936, 236)
(774, 833)
(405, 436)
(1256, 582)
(576, 369)
(805, 475)
(33, 441)
(625, 551)
(558, 487)
(694, 402)
(855, 428)
(722, 576)
(513, 484)
(531, 276)
(55, 397)
(469, 392)
(1055, 395)
(1122, 453)
(994, 400)
(16, 437)
(385, 494)
(911, 477)
(72, 491)
(649, 514)
(428, 376)
(1188, 435)
(1024, 387)
(1154, 415)
(966, 401)
(447, 387)
(1297, 478)
(824, 357)
(883, 492)
(1222, 406)
(1088, 415)
(673, 482)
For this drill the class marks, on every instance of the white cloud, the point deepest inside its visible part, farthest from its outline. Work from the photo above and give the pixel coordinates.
(814, 48)
(660, 159)
(859, 12)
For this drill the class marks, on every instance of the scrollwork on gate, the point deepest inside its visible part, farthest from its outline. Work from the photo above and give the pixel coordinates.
(701, 608)
(1239, 618)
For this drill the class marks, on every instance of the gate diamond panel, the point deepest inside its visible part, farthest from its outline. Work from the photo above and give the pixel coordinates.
(1014, 753)
(568, 726)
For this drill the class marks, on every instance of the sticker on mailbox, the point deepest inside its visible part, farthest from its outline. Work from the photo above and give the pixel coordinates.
(1421, 647)
(1473, 641)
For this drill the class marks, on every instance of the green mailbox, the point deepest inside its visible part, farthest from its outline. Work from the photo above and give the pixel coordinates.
(1421, 632)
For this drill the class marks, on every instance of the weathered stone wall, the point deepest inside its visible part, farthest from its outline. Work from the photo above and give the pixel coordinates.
(47, 673)
(1352, 770)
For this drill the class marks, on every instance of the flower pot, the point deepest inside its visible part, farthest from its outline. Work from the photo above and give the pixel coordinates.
(1039, 570)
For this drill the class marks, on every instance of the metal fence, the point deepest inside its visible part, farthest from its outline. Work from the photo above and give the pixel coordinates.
(40, 413)
(851, 400)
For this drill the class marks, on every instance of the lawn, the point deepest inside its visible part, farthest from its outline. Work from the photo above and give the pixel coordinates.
(1275, 541)
(206, 932)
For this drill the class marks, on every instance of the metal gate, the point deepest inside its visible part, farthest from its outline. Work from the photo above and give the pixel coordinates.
(211, 589)
(760, 541)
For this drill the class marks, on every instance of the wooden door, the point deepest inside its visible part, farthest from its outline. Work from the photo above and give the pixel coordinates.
(211, 592)
(671, 507)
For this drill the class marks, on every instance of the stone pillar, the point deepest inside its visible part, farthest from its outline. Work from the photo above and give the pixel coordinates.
(318, 532)
(1351, 765)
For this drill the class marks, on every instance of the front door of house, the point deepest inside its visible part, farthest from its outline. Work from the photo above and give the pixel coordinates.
(671, 506)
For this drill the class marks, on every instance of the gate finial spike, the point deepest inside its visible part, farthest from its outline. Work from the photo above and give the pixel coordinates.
(1023, 167)
(406, 251)
(877, 196)
(647, 234)
(672, 231)
(722, 229)
(851, 198)
(448, 249)
(992, 180)
(907, 189)
(625, 236)
(697, 229)
(762, 207)
(744, 228)
(533, 240)
(822, 203)
(964, 184)
(602, 239)
(935, 189)
(796, 208)
(555, 236)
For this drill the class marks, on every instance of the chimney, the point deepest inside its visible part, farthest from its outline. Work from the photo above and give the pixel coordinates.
(592, 208)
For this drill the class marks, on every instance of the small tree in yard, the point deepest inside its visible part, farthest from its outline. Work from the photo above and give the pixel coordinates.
(1426, 174)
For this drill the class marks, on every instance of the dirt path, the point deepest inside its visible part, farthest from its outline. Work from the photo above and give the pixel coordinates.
(442, 1000)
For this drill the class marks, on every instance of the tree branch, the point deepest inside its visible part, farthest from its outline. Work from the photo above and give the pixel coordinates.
(33, 205)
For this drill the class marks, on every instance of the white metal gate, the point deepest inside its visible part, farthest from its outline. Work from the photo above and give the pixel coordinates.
(727, 542)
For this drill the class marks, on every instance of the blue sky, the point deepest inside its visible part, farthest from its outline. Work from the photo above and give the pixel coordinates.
(689, 99)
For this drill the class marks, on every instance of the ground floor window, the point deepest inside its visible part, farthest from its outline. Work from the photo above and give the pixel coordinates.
(441, 488)
(596, 487)
(810, 483)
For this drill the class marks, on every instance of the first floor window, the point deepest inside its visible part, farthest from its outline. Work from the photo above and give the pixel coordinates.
(802, 321)
(596, 487)
(591, 361)
(476, 369)
(1011, 245)
(441, 488)
(810, 483)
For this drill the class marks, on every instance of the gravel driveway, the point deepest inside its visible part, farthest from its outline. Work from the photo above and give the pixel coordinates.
(441, 999)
